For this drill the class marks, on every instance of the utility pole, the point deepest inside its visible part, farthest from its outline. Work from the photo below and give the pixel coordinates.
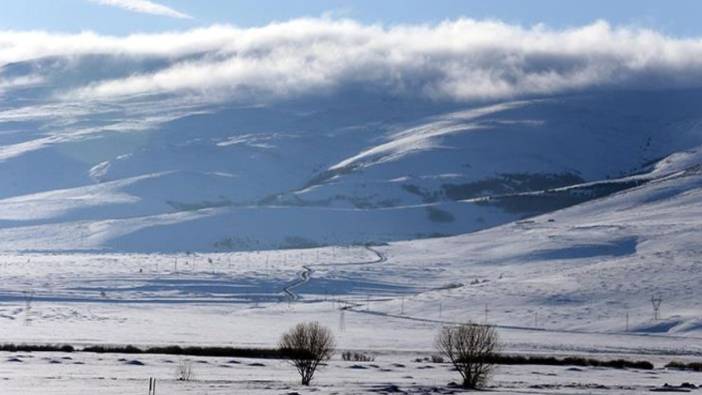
(486, 313)
(28, 296)
(342, 320)
(627, 321)
(656, 301)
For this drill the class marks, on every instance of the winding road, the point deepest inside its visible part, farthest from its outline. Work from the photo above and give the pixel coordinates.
(303, 278)
(305, 275)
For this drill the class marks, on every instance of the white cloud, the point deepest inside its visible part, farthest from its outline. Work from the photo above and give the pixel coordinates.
(19, 82)
(461, 60)
(144, 7)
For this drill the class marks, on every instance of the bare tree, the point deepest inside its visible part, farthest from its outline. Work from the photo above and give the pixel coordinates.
(470, 348)
(306, 346)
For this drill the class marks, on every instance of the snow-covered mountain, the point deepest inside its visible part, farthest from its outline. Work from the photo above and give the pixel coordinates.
(575, 280)
(352, 165)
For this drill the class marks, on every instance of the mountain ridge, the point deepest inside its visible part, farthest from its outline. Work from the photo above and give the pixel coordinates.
(372, 167)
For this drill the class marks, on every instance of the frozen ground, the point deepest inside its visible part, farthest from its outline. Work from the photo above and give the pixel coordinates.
(389, 373)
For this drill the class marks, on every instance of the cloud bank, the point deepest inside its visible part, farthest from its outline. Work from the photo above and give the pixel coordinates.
(144, 7)
(463, 59)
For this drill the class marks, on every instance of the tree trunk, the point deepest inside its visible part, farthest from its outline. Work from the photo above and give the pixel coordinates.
(468, 383)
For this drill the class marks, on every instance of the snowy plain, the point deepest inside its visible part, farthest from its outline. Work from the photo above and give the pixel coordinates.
(573, 282)
(388, 374)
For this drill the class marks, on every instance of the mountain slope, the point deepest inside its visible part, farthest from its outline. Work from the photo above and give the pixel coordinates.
(353, 165)
(592, 267)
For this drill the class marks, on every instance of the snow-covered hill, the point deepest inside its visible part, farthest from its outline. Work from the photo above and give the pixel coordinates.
(353, 165)
(592, 267)
(574, 280)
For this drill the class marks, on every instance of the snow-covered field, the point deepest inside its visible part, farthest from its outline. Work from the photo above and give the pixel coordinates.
(576, 281)
(57, 373)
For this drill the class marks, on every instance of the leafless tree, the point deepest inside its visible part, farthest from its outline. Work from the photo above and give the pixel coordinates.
(306, 346)
(470, 348)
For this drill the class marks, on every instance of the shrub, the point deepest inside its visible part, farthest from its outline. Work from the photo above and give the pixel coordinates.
(693, 366)
(114, 349)
(36, 347)
(501, 359)
(184, 370)
(192, 351)
(357, 357)
(469, 348)
(306, 346)
(437, 359)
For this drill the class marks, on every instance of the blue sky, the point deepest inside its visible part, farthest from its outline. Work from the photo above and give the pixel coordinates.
(678, 18)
